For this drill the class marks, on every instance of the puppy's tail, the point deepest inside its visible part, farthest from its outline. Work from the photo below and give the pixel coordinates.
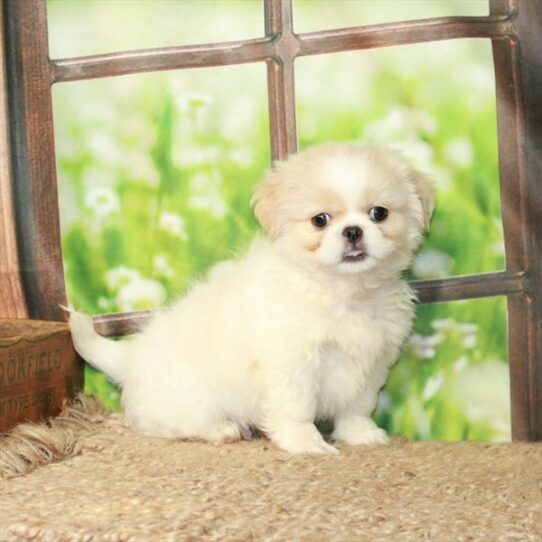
(104, 354)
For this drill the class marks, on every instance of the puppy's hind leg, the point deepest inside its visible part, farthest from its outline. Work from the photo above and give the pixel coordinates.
(184, 411)
(224, 432)
(210, 429)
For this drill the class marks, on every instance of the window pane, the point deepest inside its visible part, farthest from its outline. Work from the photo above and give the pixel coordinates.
(314, 15)
(452, 380)
(89, 27)
(436, 103)
(155, 175)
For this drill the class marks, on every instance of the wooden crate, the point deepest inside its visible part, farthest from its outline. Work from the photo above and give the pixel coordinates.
(38, 369)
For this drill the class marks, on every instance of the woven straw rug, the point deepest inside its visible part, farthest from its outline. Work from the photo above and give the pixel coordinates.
(88, 477)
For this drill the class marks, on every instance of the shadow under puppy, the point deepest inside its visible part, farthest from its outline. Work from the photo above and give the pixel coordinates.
(304, 327)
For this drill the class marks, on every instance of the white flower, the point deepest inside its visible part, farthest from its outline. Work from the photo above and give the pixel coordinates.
(141, 169)
(435, 339)
(498, 248)
(442, 178)
(100, 143)
(460, 364)
(141, 294)
(137, 131)
(406, 128)
(459, 152)
(193, 156)
(443, 324)
(432, 385)
(104, 303)
(468, 331)
(426, 340)
(482, 392)
(425, 346)
(93, 177)
(425, 352)
(402, 123)
(469, 341)
(193, 108)
(102, 201)
(120, 276)
(432, 263)
(415, 339)
(206, 193)
(467, 328)
(214, 203)
(133, 291)
(237, 120)
(481, 80)
(162, 267)
(416, 151)
(242, 157)
(173, 224)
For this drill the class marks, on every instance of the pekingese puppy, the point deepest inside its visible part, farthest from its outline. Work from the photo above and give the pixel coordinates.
(304, 327)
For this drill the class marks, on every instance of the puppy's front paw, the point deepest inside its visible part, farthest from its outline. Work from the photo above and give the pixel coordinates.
(302, 439)
(369, 436)
(317, 448)
(359, 431)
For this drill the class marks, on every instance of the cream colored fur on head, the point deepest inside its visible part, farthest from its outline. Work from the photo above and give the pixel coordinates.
(304, 327)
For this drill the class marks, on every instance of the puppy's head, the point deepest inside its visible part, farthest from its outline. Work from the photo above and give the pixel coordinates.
(346, 207)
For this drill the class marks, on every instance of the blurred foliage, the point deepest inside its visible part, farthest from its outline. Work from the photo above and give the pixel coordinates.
(156, 173)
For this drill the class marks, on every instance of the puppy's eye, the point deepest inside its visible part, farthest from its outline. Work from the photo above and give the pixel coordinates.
(378, 214)
(321, 220)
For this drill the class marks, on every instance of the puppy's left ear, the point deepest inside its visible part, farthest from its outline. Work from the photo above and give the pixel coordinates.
(423, 185)
(266, 205)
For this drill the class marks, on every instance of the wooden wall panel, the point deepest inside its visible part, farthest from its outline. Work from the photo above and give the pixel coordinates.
(33, 164)
(12, 302)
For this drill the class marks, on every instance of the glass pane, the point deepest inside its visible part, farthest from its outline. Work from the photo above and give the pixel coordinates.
(89, 27)
(452, 380)
(155, 175)
(314, 15)
(436, 103)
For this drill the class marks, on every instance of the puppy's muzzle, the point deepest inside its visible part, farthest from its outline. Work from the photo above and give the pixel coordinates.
(353, 251)
(353, 234)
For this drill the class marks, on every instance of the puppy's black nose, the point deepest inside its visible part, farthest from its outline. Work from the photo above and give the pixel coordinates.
(353, 233)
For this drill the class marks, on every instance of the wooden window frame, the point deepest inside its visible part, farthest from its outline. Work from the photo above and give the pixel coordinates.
(515, 29)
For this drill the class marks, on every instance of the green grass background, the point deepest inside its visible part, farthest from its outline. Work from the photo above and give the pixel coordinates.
(156, 173)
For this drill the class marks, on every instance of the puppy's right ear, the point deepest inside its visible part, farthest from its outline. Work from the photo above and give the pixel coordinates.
(426, 195)
(266, 204)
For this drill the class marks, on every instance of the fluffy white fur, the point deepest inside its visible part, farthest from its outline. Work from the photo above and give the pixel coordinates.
(292, 332)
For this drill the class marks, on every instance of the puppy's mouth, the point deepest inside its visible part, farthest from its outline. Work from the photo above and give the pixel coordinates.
(354, 255)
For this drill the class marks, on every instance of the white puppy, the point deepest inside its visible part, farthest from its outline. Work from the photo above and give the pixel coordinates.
(304, 327)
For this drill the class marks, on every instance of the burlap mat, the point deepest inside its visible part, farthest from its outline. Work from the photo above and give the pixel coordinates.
(114, 485)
